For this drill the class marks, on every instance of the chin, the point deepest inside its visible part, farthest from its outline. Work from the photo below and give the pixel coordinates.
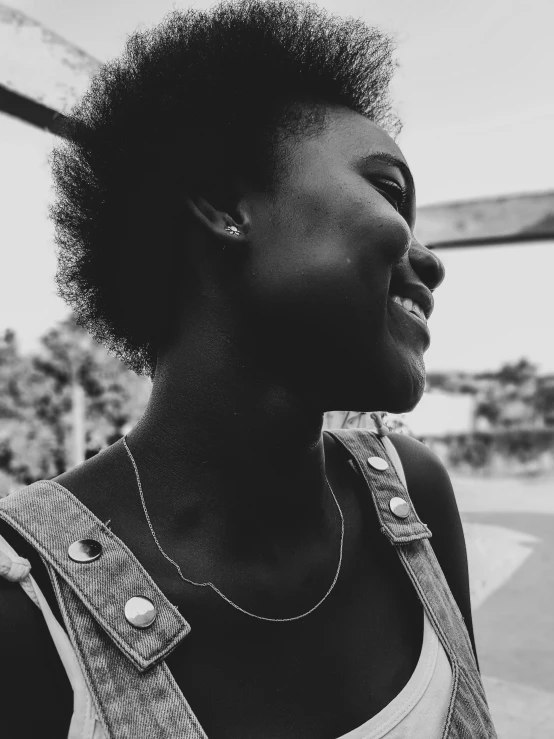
(404, 407)
(396, 386)
(402, 397)
(407, 395)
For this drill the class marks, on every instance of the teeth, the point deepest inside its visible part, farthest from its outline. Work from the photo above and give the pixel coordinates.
(410, 306)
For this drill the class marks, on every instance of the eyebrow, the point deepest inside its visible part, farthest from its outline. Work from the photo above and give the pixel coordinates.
(384, 156)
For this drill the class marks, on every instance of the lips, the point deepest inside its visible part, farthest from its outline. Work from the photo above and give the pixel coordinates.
(417, 293)
(411, 306)
(421, 322)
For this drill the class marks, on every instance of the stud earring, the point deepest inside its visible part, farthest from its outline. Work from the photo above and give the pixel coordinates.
(233, 229)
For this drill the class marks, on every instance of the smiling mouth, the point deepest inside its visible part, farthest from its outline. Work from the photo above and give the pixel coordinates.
(411, 308)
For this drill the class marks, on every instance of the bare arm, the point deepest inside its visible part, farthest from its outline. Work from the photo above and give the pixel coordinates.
(36, 696)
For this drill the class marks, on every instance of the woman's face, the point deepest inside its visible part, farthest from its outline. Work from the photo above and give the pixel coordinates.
(326, 255)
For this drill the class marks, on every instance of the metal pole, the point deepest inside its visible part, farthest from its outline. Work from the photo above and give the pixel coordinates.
(78, 420)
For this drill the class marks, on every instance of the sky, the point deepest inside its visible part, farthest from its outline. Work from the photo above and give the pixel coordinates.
(475, 95)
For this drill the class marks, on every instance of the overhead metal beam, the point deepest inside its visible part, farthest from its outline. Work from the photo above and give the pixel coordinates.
(504, 219)
(490, 241)
(40, 65)
(30, 111)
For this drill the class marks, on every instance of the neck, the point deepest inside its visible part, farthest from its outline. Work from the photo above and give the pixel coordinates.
(233, 456)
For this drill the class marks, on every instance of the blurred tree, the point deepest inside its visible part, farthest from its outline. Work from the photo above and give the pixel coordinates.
(29, 447)
(516, 374)
(511, 399)
(90, 381)
(63, 404)
(488, 406)
(544, 399)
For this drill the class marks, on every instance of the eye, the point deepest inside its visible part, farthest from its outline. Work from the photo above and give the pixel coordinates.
(395, 192)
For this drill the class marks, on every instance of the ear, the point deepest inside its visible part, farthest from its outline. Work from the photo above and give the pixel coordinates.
(215, 220)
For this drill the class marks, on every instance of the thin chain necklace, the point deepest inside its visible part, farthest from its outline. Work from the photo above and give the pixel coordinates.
(211, 585)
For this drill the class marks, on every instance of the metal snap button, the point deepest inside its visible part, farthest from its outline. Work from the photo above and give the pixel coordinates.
(399, 507)
(85, 550)
(378, 463)
(140, 612)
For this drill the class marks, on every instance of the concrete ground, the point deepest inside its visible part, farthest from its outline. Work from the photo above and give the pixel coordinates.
(509, 528)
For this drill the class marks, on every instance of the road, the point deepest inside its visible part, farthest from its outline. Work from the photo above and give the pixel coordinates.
(509, 529)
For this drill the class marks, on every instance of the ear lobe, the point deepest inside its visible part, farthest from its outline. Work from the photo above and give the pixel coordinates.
(219, 224)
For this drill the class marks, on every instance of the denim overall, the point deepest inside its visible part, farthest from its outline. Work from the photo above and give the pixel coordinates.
(132, 688)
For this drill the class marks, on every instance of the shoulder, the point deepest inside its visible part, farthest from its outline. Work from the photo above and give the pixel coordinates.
(428, 480)
(434, 499)
(432, 494)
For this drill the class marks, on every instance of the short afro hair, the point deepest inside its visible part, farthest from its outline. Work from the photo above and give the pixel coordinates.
(201, 95)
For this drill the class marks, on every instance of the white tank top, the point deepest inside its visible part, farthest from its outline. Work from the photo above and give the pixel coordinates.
(420, 709)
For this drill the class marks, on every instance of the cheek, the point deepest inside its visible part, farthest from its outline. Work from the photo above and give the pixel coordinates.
(331, 264)
(315, 276)
(311, 304)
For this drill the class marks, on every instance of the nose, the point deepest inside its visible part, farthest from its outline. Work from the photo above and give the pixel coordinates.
(426, 264)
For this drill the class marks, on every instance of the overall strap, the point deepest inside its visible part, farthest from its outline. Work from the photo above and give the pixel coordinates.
(468, 711)
(133, 690)
(388, 486)
(51, 518)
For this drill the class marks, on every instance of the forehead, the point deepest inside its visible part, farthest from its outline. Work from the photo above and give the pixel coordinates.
(348, 135)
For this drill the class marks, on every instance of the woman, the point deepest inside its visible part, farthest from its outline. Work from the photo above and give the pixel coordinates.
(235, 219)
